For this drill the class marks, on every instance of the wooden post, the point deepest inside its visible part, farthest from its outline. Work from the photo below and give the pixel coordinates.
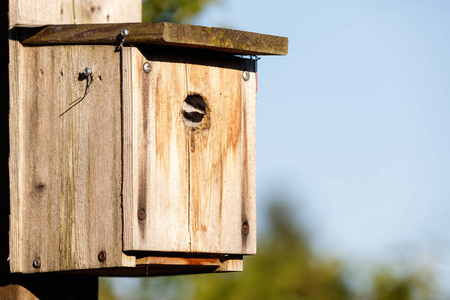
(25, 12)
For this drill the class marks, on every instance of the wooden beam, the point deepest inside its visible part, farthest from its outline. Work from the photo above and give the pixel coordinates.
(217, 39)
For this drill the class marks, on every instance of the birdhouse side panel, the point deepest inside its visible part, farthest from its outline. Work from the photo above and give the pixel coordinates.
(67, 215)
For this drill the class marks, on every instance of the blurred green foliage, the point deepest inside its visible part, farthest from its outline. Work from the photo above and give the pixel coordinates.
(177, 11)
(285, 268)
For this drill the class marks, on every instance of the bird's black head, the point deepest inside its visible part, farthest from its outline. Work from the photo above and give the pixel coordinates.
(197, 102)
(194, 109)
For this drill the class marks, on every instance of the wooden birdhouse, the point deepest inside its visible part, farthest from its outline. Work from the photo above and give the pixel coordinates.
(133, 148)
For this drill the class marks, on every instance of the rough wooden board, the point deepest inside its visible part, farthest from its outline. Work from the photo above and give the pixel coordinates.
(231, 265)
(16, 54)
(220, 265)
(155, 154)
(107, 11)
(222, 156)
(34, 12)
(218, 39)
(178, 261)
(68, 206)
(248, 210)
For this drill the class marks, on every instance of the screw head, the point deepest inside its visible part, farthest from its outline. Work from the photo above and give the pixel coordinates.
(142, 214)
(87, 72)
(37, 262)
(102, 256)
(124, 32)
(245, 229)
(246, 75)
(147, 67)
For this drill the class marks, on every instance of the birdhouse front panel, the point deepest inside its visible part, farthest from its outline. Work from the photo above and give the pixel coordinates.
(189, 152)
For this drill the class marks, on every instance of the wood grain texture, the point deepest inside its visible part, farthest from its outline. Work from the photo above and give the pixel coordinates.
(16, 54)
(217, 39)
(197, 187)
(222, 176)
(31, 12)
(68, 206)
(36, 99)
(178, 261)
(155, 154)
(231, 265)
(219, 265)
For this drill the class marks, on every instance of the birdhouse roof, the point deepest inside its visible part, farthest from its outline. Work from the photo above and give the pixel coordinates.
(162, 33)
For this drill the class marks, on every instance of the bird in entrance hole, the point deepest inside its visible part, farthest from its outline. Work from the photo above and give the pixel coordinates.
(194, 108)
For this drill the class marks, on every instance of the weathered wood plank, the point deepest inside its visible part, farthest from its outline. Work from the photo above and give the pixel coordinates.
(69, 189)
(103, 11)
(34, 12)
(222, 190)
(248, 212)
(156, 165)
(223, 264)
(16, 54)
(218, 39)
(178, 261)
(231, 265)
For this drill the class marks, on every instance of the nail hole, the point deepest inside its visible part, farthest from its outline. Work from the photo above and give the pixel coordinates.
(102, 256)
(245, 228)
(142, 214)
(40, 186)
(194, 109)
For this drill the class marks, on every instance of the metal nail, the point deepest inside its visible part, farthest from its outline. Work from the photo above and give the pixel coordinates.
(147, 67)
(37, 262)
(124, 32)
(246, 75)
(87, 72)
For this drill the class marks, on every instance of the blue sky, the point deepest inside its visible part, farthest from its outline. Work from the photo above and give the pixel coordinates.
(353, 124)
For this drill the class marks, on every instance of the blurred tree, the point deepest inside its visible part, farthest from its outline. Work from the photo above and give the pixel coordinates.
(411, 285)
(178, 11)
(287, 268)
(284, 268)
(105, 290)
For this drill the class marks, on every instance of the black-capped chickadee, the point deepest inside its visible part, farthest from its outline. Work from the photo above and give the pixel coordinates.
(194, 108)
